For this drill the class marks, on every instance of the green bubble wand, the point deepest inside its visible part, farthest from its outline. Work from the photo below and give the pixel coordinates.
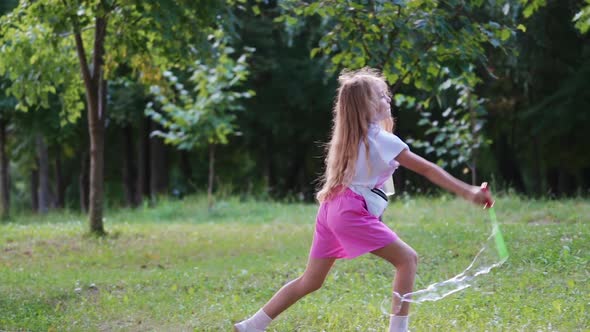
(500, 244)
(499, 239)
(442, 289)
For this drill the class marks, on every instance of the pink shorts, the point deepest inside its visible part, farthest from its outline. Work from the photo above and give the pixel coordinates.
(345, 229)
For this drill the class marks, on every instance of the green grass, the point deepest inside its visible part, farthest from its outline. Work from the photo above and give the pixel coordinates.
(178, 267)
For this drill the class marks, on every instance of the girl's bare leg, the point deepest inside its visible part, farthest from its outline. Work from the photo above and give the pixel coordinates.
(312, 279)
(405, 260)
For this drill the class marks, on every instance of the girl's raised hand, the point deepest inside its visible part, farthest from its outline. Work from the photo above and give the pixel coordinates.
(482, 196)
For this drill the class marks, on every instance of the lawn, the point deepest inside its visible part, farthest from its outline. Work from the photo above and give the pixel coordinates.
(178, 267)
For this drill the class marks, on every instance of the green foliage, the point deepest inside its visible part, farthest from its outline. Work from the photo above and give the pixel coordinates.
(39, 54)
(531, 6)
(177, 267)
(418, 43)
(582, 18)
(30, 58)
(127, 100)
(7, 103)
(537, 104)
(204, 114)
(420, 46)
(531, 100)
(165, 34)
(457, 135)
(289, 118)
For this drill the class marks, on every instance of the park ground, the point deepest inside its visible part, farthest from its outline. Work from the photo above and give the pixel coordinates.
(180, 267)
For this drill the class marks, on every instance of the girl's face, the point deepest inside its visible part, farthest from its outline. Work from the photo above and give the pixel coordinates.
(384, 107)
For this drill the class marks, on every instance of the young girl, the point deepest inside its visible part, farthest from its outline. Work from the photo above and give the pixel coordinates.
(361, 157)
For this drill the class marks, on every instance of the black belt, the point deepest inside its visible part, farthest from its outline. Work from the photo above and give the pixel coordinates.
(380, 193)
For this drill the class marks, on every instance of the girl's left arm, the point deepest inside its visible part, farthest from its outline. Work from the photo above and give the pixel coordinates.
(440, 177)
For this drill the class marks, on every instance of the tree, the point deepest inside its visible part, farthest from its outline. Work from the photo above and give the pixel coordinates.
(581, 18)
(540, 97)
(203, 114)
(7, 105)
(456, 134)
(44, 37)
(279, 154)
(127, 102)
(418, 45)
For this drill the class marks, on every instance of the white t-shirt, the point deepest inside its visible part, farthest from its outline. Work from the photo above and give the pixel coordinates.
(383, 148)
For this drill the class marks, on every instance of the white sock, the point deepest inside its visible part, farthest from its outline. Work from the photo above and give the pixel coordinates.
(398, 323)
(256, 323)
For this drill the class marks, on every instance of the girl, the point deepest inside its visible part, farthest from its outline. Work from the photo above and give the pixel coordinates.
(361, 157)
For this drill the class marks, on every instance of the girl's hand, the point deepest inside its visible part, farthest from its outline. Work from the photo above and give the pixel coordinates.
(481, 196)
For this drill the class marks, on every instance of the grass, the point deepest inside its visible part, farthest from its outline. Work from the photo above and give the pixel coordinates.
(178, 267)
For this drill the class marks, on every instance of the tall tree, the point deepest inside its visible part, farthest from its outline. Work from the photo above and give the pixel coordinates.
(43, 160)
(279, 152)
(96, 34)
(542, 91)
(127, 102)
(7, 105)
(207, 119)
(581, 9)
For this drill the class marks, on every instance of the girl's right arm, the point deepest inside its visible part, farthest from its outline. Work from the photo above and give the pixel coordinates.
(440, 177)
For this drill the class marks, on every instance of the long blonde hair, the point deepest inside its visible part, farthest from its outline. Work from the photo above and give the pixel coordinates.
(356, 105)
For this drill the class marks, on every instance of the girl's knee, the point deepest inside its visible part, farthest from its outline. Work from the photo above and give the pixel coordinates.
(409, 260)
(309, 285)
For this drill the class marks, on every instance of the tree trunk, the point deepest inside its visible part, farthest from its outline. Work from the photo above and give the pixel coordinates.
(4, 178)
(295, 170)
(539, 174)
(564, 184)
(96, 89)
(59, 181)
(186, 170)
(211, 175)
(270, 172)
(43, 158)
(83, 182)
(34, 189)
(143, 162)
(508, 165)
(96, 128)
(129, 166)
(158, 165)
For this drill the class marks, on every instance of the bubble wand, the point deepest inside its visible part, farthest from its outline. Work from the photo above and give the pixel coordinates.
(440, 290)
(500, 244)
